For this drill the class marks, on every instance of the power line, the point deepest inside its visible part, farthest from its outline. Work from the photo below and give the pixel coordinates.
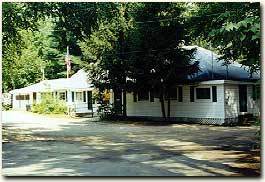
(139, 51)
(148, 21)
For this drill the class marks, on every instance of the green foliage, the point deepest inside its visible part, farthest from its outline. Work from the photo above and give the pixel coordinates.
(49, 105)
(21, 69)
(232, 28)
(120, 48)
(115, 41)
(6, 107)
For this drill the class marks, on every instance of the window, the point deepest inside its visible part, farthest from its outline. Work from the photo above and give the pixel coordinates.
(84, 96)
(143, 95)
(79, 96)
(22, 97)
(214, 93)
(62, 95)
(203, 93)
(173, 92)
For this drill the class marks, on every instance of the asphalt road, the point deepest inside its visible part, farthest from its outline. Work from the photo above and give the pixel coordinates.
(37, 145)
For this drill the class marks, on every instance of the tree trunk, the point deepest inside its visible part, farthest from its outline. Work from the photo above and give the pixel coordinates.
(162, 101)
(168, 107)
(117, 101)
(124, 103)
(168, 103)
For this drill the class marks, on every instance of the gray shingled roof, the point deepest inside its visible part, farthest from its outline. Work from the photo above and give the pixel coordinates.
(211, 68)
(78, 81)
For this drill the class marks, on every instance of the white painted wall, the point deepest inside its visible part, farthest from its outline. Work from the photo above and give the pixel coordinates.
(79, 105)
(253, 105)
(232, 101)
(201, 108)
(20, 104)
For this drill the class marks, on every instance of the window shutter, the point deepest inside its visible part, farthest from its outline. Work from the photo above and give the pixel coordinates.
(203, 93)
(73, 96)
(180, 94)
(84, 96)
(152, 99)
(214, 94)
(191, 93)
(134, 97)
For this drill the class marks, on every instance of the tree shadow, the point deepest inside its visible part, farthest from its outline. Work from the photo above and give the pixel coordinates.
(128, 150)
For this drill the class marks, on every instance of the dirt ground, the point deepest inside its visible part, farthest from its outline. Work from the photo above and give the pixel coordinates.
(59, 146)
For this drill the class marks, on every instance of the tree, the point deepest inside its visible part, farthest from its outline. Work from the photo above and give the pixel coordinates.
(231, 28)
(162, 63)
(18, 20)
(25, 66)
(128, 49)
(104, 50)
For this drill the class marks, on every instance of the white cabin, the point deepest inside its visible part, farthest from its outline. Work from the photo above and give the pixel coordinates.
(76, 91)
(216, 95)
(209, 102)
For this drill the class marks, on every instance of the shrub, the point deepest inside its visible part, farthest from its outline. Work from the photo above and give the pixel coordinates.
(6, 107)
(49, 105)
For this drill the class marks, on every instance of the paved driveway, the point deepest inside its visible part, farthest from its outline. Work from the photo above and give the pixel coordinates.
(48, 146)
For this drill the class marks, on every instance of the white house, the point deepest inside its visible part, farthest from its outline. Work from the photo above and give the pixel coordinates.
(75, 91)
(216, 95)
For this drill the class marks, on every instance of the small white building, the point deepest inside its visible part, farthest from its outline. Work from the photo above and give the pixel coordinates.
(76, 91)
(212, 97)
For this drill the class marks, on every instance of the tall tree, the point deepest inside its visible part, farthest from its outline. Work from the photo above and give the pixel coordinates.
(231, 28)
(18, 19)
(128, 48)
(162, 63)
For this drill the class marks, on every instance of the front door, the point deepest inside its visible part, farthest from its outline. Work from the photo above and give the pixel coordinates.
(89, 100)
(34, 97)
(243, 98)
(118, 101)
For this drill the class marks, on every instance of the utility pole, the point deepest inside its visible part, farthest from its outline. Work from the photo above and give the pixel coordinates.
(124, 100)
(67, 61)
(122, 61)
(212, 64)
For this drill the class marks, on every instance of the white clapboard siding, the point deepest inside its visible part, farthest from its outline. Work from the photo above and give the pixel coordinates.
(252, 105)
(82, 107)
(231, 101)
(199, 109)
(19, 104)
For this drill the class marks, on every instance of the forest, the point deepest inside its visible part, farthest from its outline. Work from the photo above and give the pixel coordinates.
(115, 41)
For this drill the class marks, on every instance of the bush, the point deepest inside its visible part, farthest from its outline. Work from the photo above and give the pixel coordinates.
(6, 107)
(49, 105)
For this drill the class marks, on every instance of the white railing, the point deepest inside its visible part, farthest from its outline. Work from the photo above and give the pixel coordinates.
(80, 108)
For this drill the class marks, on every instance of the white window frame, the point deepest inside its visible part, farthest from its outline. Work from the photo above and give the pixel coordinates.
(203, 100)
(80, 99)
(59, 95)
